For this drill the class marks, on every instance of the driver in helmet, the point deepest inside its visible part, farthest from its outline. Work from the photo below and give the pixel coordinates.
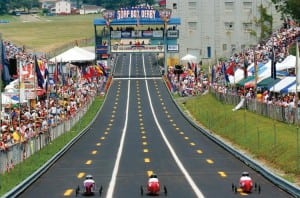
(89, 182)
(153, 178)
(245, 178)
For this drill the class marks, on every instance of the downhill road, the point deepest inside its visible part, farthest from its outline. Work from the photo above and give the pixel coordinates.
(138, 131)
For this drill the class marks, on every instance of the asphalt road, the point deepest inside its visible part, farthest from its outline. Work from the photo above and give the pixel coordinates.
(138, 131)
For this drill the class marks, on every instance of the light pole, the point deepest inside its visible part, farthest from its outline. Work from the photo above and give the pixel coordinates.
(165, 15)
(108, 15)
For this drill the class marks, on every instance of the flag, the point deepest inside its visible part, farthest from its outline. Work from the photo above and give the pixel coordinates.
(61, 72)
(103, 69)
(196, 72)
(230, 68)
(297, 64)
(6, 78)
(273, 64)
(40, 78)
(223, 70)
(212, 74)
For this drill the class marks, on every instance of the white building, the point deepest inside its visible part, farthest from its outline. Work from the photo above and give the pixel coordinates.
(63, 7)
(90, 9)
(211, 29)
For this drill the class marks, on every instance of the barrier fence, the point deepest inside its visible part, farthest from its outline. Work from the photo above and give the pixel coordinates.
(276, 112)
(20, 151)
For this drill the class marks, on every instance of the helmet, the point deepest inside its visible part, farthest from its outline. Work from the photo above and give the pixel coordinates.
(245, 174)
(153, 176)
(88, 177)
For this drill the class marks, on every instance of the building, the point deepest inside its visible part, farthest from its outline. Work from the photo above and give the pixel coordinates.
(211, 29)
(63, 7)
(90, 9)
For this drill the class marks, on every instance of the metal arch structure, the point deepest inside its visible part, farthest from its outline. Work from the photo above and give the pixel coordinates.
(108, 30)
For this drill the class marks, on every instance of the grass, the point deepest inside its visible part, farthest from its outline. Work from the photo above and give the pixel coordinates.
(274, 143)
(43, 34)
(31, 164)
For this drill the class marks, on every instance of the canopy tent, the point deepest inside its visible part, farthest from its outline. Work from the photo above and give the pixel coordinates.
(281, 86)
(293, 88)
(189, 57)
(75, 54)
(242, 82)
(264, 69)
(267, 83)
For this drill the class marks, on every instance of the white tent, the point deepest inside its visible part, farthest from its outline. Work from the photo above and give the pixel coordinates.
(189, 57)
(285, 82)
(75, 54)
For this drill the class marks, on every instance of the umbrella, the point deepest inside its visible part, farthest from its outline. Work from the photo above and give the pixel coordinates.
(189, 57)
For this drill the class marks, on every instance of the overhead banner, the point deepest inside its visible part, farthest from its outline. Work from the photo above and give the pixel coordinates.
(137, 13)
(137, 48)
(172, 34)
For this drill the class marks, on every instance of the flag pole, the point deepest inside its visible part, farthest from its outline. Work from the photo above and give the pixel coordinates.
(297, 78)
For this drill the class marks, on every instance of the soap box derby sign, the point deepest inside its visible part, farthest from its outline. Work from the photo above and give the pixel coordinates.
(125, 13)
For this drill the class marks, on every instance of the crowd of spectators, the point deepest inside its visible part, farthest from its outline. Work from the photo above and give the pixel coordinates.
(194, 80)
(25, 120)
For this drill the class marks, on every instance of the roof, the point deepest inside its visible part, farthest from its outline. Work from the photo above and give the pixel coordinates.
(268, 82)
(142, 21)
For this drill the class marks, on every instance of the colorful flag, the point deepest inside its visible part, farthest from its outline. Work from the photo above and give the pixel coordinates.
(40, 78)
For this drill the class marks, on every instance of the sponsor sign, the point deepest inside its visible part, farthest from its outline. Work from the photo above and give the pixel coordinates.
(138, 48)
(173, 48)
(147, 33)
(172, 34)
(126, 34)
(115, 34)
(136, 33)
(101, 49)
(158, 34)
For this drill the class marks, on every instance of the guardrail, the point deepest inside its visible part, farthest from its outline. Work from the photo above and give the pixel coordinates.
(16, 191)
(278, 181)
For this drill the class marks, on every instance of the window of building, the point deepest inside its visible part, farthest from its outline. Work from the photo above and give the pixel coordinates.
(192, 25)
(228, 25)
(192, 5)
(247, 27)
(247, 4)
(174, 5)
(224, 47)
(229, 5)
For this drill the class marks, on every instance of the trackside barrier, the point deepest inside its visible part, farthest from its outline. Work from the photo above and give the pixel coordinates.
(280, 182)
(55, 132)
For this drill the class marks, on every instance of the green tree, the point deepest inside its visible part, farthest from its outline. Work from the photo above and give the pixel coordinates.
(289, 7)
(3, 7)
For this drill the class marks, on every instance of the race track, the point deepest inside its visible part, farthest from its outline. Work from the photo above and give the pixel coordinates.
(138, 131)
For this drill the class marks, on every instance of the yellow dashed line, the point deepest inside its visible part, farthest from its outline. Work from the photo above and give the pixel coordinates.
(80, 175)
(144, 137)
(107, 129)
(89, 162)
(181, 132)
(109, 124)
(222, 174)
(141, 119)
(171, 120)
(145, 143)
(177, 129)
(113, 116)
(192, 144)
(146, 150)
(209, 161)
(106, 132)
(147, 160)
(102, 138)
(116, 103)
(68, 192)
(112, 120)
(199, 151)
(141, 124)
(143, 132)
(186, 138)
(168, 115)
(94, 152)
(174, 125)
(98, 144)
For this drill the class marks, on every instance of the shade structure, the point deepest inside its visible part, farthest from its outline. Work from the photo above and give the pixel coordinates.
(267, 83)
(189, 57)
(75, 54)
(283, 84)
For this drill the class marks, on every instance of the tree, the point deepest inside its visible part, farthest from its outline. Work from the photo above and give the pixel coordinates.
(288, 7)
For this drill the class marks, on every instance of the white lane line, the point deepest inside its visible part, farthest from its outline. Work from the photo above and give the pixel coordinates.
(112, 183)
(173, 153)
